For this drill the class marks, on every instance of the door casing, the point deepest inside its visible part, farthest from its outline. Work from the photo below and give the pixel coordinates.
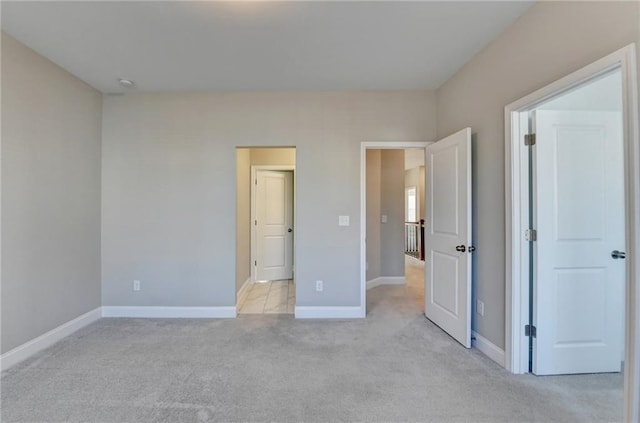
(516, 219)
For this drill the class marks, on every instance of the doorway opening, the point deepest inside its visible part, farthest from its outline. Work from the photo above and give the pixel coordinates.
(414, 218)
(448, 248)
(414, 205)
(576, 221)
(394, 191)
(572, 207)
(265, 230)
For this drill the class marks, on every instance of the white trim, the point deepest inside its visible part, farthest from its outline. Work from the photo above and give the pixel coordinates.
(169, 312)
(254, 169)
(1, 325)
(632, 335)
(386, 280)
(487, 347)
(515, 190)
(364, 146)
(328, 312)
(516, 252)
(243, 292)
(47, 339)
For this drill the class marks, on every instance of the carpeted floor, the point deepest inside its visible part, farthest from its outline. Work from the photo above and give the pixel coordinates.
(393, 366)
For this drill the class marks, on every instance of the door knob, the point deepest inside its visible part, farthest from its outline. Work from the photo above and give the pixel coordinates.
(461, 248)
(471, 248)
(618, 254)
(289, 230)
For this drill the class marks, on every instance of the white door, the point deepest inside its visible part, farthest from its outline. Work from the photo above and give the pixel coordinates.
(579, 213)
(274, 225)
(448, 235)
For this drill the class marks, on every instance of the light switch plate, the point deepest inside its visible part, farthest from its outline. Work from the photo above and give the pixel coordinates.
(385, 218)
(343, 220)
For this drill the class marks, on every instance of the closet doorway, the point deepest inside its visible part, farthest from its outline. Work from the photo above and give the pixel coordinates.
(265, 231)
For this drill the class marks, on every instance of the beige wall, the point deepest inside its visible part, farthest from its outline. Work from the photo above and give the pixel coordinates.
(243, 216)
(169, 167)
(374, 167)
(550, 41)
(273, 156)
(385, 196)
(51, 123)
(247, 157)
(392, 205)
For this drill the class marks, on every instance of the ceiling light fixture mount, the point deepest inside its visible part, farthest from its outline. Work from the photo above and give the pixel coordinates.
(126, 83)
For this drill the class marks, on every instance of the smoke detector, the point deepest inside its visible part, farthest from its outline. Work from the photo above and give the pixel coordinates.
(126, 83)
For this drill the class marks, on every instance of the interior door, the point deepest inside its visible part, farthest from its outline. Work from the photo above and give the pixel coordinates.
(274, 225)
(448, 235)
(579, 213)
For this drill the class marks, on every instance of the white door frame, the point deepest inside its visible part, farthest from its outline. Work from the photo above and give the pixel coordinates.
(284, 168)
(364, 146)
(516, 219)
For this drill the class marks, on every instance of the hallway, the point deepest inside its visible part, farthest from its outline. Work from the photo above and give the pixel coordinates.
(273, 297)
(408, 298)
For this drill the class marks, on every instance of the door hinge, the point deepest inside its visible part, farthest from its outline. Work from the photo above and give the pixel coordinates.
(256, 223)
(529, 330)
(255, 262)
(531, 235)
(530, 139)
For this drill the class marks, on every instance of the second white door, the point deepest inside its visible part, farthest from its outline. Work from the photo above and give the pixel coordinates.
(579, 196)
(273, 225)
(448, 235)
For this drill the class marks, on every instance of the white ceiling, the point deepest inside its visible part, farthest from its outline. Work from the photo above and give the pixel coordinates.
(261, 45)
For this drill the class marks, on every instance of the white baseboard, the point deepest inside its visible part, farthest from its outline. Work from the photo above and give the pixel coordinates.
(47, 339)
(329, 312)
(169, 312)
(243, 292)
(386, 280)
(488, 348)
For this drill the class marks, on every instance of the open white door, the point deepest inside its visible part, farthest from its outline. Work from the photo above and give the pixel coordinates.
(274, 225)
(448, 235)
(580, 221)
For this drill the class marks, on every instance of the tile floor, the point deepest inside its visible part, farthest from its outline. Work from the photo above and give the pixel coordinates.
(270, 297)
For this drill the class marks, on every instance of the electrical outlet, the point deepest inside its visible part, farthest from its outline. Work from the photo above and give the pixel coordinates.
(385, 218)
(136, 285)
(480, 307)
(319, 286)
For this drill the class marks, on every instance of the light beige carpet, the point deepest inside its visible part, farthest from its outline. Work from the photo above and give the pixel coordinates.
(393, 366)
